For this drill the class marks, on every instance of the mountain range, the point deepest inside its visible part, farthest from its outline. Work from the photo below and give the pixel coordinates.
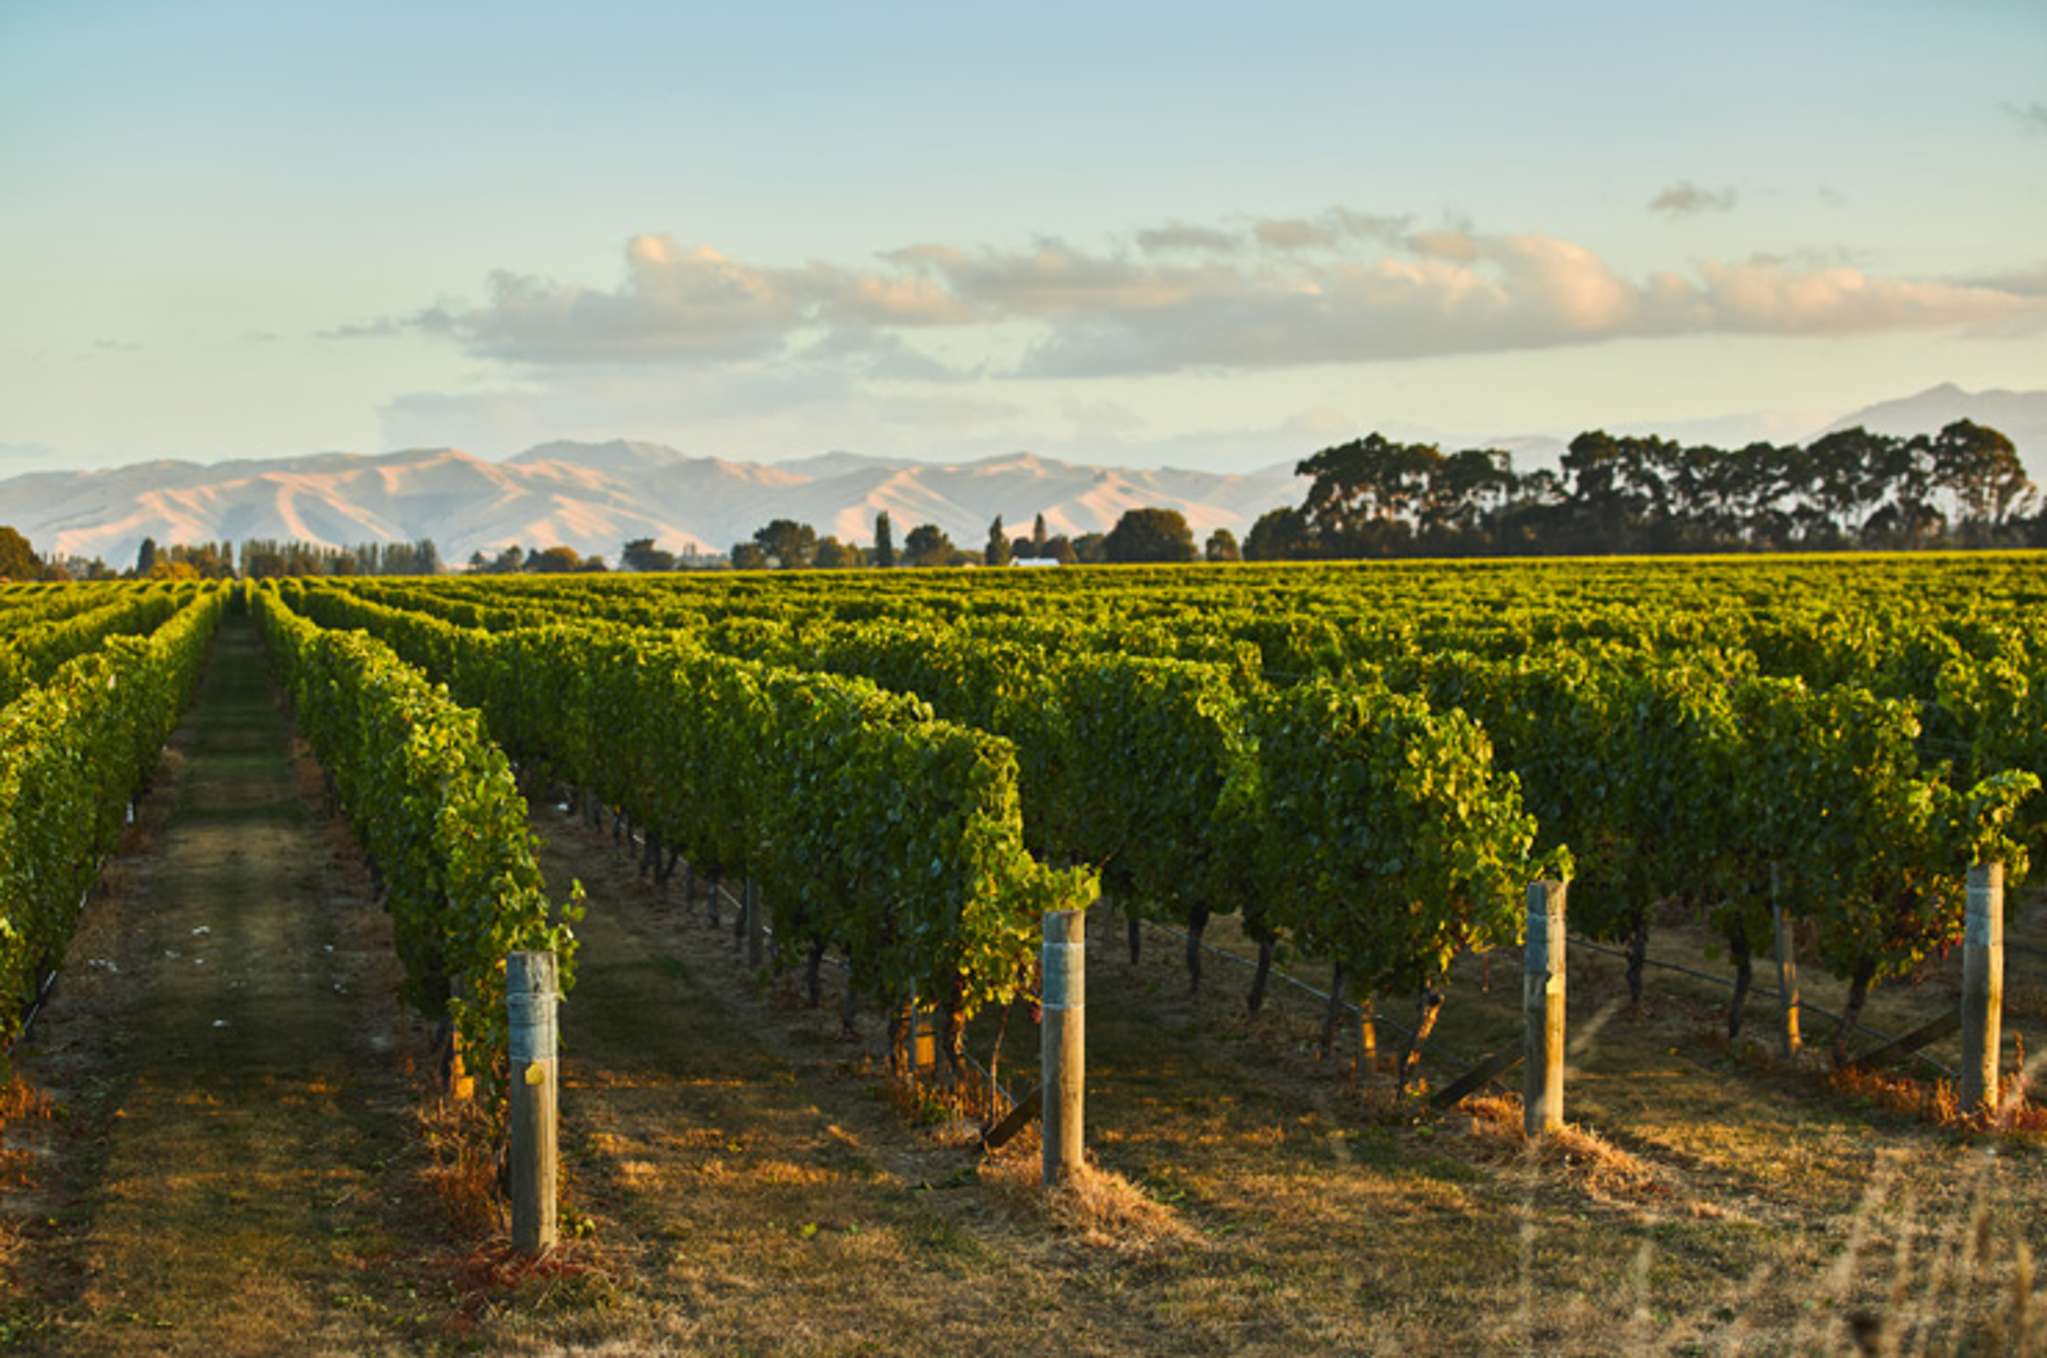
(596, 496)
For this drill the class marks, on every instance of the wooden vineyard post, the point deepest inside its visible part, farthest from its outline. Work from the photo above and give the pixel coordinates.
(1787, 967)
(530, 997)
(1542, 1003)
(756, 926)
(1983, 988)
(1063, 1039)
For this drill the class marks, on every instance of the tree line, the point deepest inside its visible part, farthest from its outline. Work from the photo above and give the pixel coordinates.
(1140, 535)
(1962, 487)
(257, 559)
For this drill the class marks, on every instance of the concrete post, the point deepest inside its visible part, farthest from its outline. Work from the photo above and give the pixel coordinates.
(1063, 1041)
(1983, 989)
(530, 997)
(1542, 1005)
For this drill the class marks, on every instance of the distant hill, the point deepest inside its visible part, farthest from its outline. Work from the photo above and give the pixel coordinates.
(2020, 415)
(595, 496)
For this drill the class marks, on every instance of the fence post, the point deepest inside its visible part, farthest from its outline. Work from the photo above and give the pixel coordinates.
(756, 926)
(1063, 1040)
(530, 996)
(1542, 1006)
(1787, 968)
(1983, 988)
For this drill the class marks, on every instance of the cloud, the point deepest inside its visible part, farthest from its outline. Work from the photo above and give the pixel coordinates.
(380, 328)
(1340, 287)
(2032, 116)
(1686, 199)
(1333, 230)
(2020, 282)
(1176, 237)
(116, 346)
(261, 337)
(1514, 292)
(1832, 196)
(26, 452)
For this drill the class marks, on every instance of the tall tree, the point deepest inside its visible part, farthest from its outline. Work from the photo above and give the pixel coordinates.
(884, 541)
(832, 555)
(927, 545)
(145, 558)
(642, 555)
(1038, 534)
(997, 553)
(1365, 492)
(1279, 535)
(1222, 546)
(1150, 535)
(1980, 468)
(790, 543)
(17, 559)
(555, 561)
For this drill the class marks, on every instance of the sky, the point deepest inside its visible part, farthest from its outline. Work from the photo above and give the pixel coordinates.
(1199, 235)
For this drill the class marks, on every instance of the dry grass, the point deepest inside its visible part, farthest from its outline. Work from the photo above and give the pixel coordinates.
(1936, 1101)
(1094, 1207)
(462, 1168)
(1493, 1125)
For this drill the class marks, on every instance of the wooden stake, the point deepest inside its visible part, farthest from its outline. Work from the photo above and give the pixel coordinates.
(530, 997)
(1983, 989)
(1542, 1005)
(1787, 970)
(1063, 1039)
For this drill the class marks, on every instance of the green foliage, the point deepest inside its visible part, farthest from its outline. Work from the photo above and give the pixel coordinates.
(18, 560)
(73, 751)
(37, 641)
(1390, 842)
(928, 545)
(434, 803)
(1868, 845)
(869, 825)
(1150, 535)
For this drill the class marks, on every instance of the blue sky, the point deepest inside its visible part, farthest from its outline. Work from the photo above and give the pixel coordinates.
(1188, 233)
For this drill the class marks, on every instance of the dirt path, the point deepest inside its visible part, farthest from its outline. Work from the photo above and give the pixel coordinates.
(235, 1121)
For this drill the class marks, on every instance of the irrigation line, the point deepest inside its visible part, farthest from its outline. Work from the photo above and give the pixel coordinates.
(1299, 984)
(1726, 984)
(49, 984)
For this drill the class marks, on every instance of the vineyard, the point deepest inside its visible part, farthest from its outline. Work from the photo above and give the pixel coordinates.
(795, 841)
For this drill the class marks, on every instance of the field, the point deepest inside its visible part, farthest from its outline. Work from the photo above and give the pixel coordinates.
(309, 819)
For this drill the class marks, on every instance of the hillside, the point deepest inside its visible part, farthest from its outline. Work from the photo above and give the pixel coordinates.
(595, 496)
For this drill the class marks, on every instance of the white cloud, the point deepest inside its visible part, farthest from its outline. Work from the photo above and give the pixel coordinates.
(1343, 286)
